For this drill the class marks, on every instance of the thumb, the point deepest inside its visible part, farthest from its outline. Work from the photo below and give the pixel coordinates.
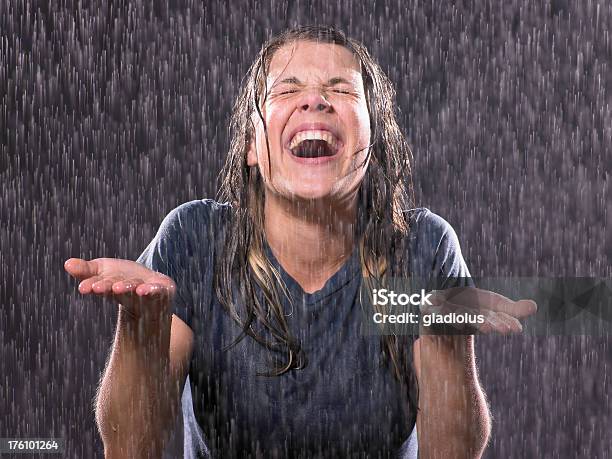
(81, 269)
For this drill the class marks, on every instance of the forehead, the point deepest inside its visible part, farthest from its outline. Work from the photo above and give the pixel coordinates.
(309, 59)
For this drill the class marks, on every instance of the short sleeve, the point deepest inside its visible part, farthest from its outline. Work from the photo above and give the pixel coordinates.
(449, 267)
(170, 253)
(437, 260)
(436, 256)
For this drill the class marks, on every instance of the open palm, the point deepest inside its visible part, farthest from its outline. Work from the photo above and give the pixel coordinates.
(498, 314)
(138, 289)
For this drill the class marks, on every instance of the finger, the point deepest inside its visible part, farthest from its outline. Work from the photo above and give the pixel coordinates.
(152, 290)
(525, 308)
(126, 285)
(85, 286)
(81, 269)
(512, 323)
(519, 309)
(491, 324)
(498, 322)
(104, 285)
(486, 299)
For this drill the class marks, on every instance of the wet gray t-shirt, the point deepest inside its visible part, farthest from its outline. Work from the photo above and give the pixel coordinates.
(344, 403)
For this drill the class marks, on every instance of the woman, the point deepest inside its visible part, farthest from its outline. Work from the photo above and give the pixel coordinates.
(257, 300)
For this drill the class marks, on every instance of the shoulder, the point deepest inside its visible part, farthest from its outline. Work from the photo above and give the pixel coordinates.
(199, 208)
(434, 245)
(193, 214)
(427, 225)
(193, 224)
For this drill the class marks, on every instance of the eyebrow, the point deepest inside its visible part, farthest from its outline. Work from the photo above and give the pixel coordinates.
(331, 82)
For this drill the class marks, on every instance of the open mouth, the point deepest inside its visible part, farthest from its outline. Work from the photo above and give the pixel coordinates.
(313, 149)
(314, 144)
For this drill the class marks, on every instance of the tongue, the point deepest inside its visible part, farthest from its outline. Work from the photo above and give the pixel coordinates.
(313, 149)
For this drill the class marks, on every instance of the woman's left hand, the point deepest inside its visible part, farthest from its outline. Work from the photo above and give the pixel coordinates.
(488, 312)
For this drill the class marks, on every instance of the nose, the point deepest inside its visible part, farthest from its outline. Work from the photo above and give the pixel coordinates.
(314, 99)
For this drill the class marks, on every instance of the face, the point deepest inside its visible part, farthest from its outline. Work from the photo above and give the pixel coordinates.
(318, 124)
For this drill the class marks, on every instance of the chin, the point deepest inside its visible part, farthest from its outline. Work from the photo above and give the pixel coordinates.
(310, 192)
(309, 188)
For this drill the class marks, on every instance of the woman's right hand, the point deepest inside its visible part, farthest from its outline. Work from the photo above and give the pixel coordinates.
(141, 292)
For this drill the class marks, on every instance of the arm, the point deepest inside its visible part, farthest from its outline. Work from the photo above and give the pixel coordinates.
(139, 396)
(453, 419)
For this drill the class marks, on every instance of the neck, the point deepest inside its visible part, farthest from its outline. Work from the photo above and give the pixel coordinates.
(311, 240)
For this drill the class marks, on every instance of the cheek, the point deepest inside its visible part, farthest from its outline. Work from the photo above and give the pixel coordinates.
(362, 122)
(357, 118)
(274, 119)
(262, 152)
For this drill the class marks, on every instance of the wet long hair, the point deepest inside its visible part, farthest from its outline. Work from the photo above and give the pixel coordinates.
(382, 226)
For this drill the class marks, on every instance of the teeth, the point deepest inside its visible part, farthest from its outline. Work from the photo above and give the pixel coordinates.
(314, 135)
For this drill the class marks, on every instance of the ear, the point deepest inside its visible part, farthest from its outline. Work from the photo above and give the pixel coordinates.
(252, 154)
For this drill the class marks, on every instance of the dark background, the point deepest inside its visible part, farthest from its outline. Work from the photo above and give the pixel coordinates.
(113, 113)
